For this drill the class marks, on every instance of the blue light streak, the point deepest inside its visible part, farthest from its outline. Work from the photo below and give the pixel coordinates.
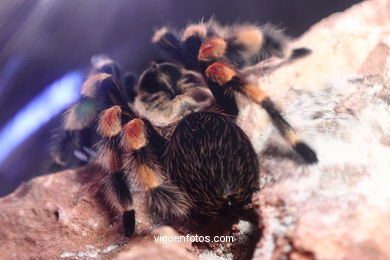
(40, 110)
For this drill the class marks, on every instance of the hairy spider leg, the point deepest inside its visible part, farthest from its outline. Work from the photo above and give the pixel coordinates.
(182, 47)
(165, 201)
(224, 80)
(241, 45)
(76, 138)
(247, 45)
(130, 154)
(115, 182)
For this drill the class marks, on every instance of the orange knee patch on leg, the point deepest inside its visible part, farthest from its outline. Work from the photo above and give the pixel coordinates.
(255, 93)
(292, 137)
(251, 37)
(212, 49)
(220, 73)
(110, 122)
(148, 178)
(134, 136)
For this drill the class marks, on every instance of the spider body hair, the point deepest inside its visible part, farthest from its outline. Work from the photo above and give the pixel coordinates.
(178, 144)
(221, 168)
(244, 45)
(72, 144)
(167, 92)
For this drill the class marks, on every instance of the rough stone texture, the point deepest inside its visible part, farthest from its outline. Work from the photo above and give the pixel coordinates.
(59, 216)
(338, 98)
(54, 217)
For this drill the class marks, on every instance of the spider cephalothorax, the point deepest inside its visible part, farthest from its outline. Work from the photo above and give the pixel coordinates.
(178, 142)
(167, 92)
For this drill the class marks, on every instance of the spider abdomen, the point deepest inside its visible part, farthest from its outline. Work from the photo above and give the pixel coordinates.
(212, 160)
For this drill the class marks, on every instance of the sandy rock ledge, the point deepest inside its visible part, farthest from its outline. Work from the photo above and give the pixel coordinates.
(339, 99)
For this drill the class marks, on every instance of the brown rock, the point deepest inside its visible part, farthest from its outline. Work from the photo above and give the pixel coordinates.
(339, 100)
(54, 217)
(59, 216)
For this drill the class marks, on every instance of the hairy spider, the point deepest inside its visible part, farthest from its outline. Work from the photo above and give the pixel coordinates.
(176, 139)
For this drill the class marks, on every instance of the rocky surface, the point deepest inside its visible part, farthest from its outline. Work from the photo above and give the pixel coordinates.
(338, 98)
(59, 216)
(54, 217)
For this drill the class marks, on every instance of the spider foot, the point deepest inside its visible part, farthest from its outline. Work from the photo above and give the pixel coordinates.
(128, 222)
(306, 152)
(300, 52)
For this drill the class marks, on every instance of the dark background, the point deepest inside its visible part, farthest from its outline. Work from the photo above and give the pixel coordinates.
(43, 40)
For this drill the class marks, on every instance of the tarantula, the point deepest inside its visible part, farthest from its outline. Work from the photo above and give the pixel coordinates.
(178, 141)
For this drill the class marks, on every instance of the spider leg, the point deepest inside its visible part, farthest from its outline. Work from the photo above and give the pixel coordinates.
(247, 45)
(73, 142)
(275, 43)
(243, 45)
(182, 47)
(118, 180)
(103, 64)
(100, 91)
(224, 80)
(130, 155)
(141, 141)
(168, 40)
(124, 169)
(192, 38)
(115, 183)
